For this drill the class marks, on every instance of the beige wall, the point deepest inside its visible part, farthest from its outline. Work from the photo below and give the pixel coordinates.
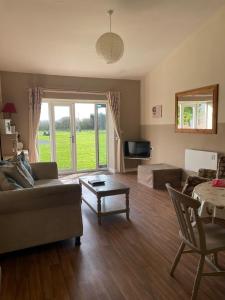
(199, 61)
(15, 89)
(1, 114)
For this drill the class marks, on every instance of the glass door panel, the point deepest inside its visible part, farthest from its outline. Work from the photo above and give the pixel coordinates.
(74, 135)
(85, 136)
(44, 141)
(62, 137)
(101, 135)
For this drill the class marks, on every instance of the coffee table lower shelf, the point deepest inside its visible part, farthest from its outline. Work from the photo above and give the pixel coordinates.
(107, 199)
(104, 206)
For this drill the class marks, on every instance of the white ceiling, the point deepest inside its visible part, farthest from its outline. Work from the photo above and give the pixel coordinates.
(58, 36)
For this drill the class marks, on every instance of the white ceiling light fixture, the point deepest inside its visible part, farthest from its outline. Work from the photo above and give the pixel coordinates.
(109, 45)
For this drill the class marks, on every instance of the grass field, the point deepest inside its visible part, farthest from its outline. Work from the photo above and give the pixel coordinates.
(85, 149)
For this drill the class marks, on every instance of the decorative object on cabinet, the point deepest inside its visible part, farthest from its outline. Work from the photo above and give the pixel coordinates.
(19, 144)
(12, 127)
(8, 144)
(5, 126)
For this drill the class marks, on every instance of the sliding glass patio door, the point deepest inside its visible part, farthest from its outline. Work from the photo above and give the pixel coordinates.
(85, 136)
(62, 133)
(101, 135)
(74, 134)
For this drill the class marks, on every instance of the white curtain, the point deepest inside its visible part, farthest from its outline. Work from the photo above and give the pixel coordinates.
(35, 96)
(114, 105)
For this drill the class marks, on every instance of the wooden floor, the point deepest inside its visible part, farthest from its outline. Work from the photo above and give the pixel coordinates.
(118, 260)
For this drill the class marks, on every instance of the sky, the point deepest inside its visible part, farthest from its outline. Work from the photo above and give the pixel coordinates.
(83, 110)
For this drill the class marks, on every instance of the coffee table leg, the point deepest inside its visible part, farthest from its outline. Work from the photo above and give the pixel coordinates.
(99, 211)
(127, 206)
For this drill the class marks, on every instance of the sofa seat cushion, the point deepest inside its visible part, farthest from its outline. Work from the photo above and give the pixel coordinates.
(47, 182)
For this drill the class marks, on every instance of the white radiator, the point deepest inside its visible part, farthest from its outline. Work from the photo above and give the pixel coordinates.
(197, 159)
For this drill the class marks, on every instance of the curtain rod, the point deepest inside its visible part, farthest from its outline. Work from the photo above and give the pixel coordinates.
(73, 92)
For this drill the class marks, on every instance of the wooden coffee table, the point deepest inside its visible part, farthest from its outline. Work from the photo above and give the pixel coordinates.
(101, 198)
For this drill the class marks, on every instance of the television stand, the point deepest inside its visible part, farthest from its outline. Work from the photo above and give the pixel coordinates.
(137, 158)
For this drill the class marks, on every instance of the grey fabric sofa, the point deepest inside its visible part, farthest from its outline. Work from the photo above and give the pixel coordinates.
(48, 212)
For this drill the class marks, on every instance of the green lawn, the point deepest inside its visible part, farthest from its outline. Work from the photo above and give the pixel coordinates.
(86, 153)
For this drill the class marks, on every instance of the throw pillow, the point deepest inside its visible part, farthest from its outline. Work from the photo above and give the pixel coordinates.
(7, 183)
(26, 172)
(25, 161)
(22, 157)
(14, 171)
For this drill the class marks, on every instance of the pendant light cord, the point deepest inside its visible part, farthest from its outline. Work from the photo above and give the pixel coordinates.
(110, 12)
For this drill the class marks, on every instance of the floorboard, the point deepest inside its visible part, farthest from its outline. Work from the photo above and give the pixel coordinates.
(119, 260)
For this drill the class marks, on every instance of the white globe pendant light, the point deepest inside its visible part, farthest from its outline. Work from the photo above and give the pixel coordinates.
(109, 45)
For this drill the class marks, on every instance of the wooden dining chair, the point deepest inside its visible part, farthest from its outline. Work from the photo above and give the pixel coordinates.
(203, 176)
(200, 238)
(221, 168)
(191, 182)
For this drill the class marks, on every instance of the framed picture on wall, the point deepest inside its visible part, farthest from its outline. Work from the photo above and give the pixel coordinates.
(157, 111)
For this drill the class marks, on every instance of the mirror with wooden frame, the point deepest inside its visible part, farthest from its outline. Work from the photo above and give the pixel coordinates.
(196, 110)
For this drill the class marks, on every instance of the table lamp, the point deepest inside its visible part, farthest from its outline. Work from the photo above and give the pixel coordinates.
(9, 108)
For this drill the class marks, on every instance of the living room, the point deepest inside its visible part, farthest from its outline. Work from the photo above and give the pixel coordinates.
(84, 212)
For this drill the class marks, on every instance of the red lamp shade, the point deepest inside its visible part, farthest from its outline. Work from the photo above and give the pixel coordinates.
(9, 107)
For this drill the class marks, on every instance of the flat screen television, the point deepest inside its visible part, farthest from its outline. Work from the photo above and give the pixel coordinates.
(137, 149)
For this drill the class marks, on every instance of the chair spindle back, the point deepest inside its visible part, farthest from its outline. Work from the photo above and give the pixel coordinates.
(183, 204)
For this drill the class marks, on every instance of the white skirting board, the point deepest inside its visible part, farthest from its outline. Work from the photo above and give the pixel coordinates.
(197, 159)
(128, 170)
(112, 170)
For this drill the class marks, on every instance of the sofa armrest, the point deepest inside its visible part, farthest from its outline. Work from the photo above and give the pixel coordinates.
(44, 170)
(39, 198)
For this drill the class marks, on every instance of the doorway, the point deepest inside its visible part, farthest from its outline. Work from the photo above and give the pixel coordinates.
(74, 134)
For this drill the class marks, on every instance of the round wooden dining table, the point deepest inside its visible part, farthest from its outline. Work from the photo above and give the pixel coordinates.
(212, 200)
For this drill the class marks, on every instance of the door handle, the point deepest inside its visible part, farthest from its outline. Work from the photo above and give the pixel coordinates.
(72, 139)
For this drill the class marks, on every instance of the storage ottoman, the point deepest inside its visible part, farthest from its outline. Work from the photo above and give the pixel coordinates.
(157, 175)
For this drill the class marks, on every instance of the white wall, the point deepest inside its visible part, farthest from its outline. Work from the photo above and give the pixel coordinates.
(199, 61)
